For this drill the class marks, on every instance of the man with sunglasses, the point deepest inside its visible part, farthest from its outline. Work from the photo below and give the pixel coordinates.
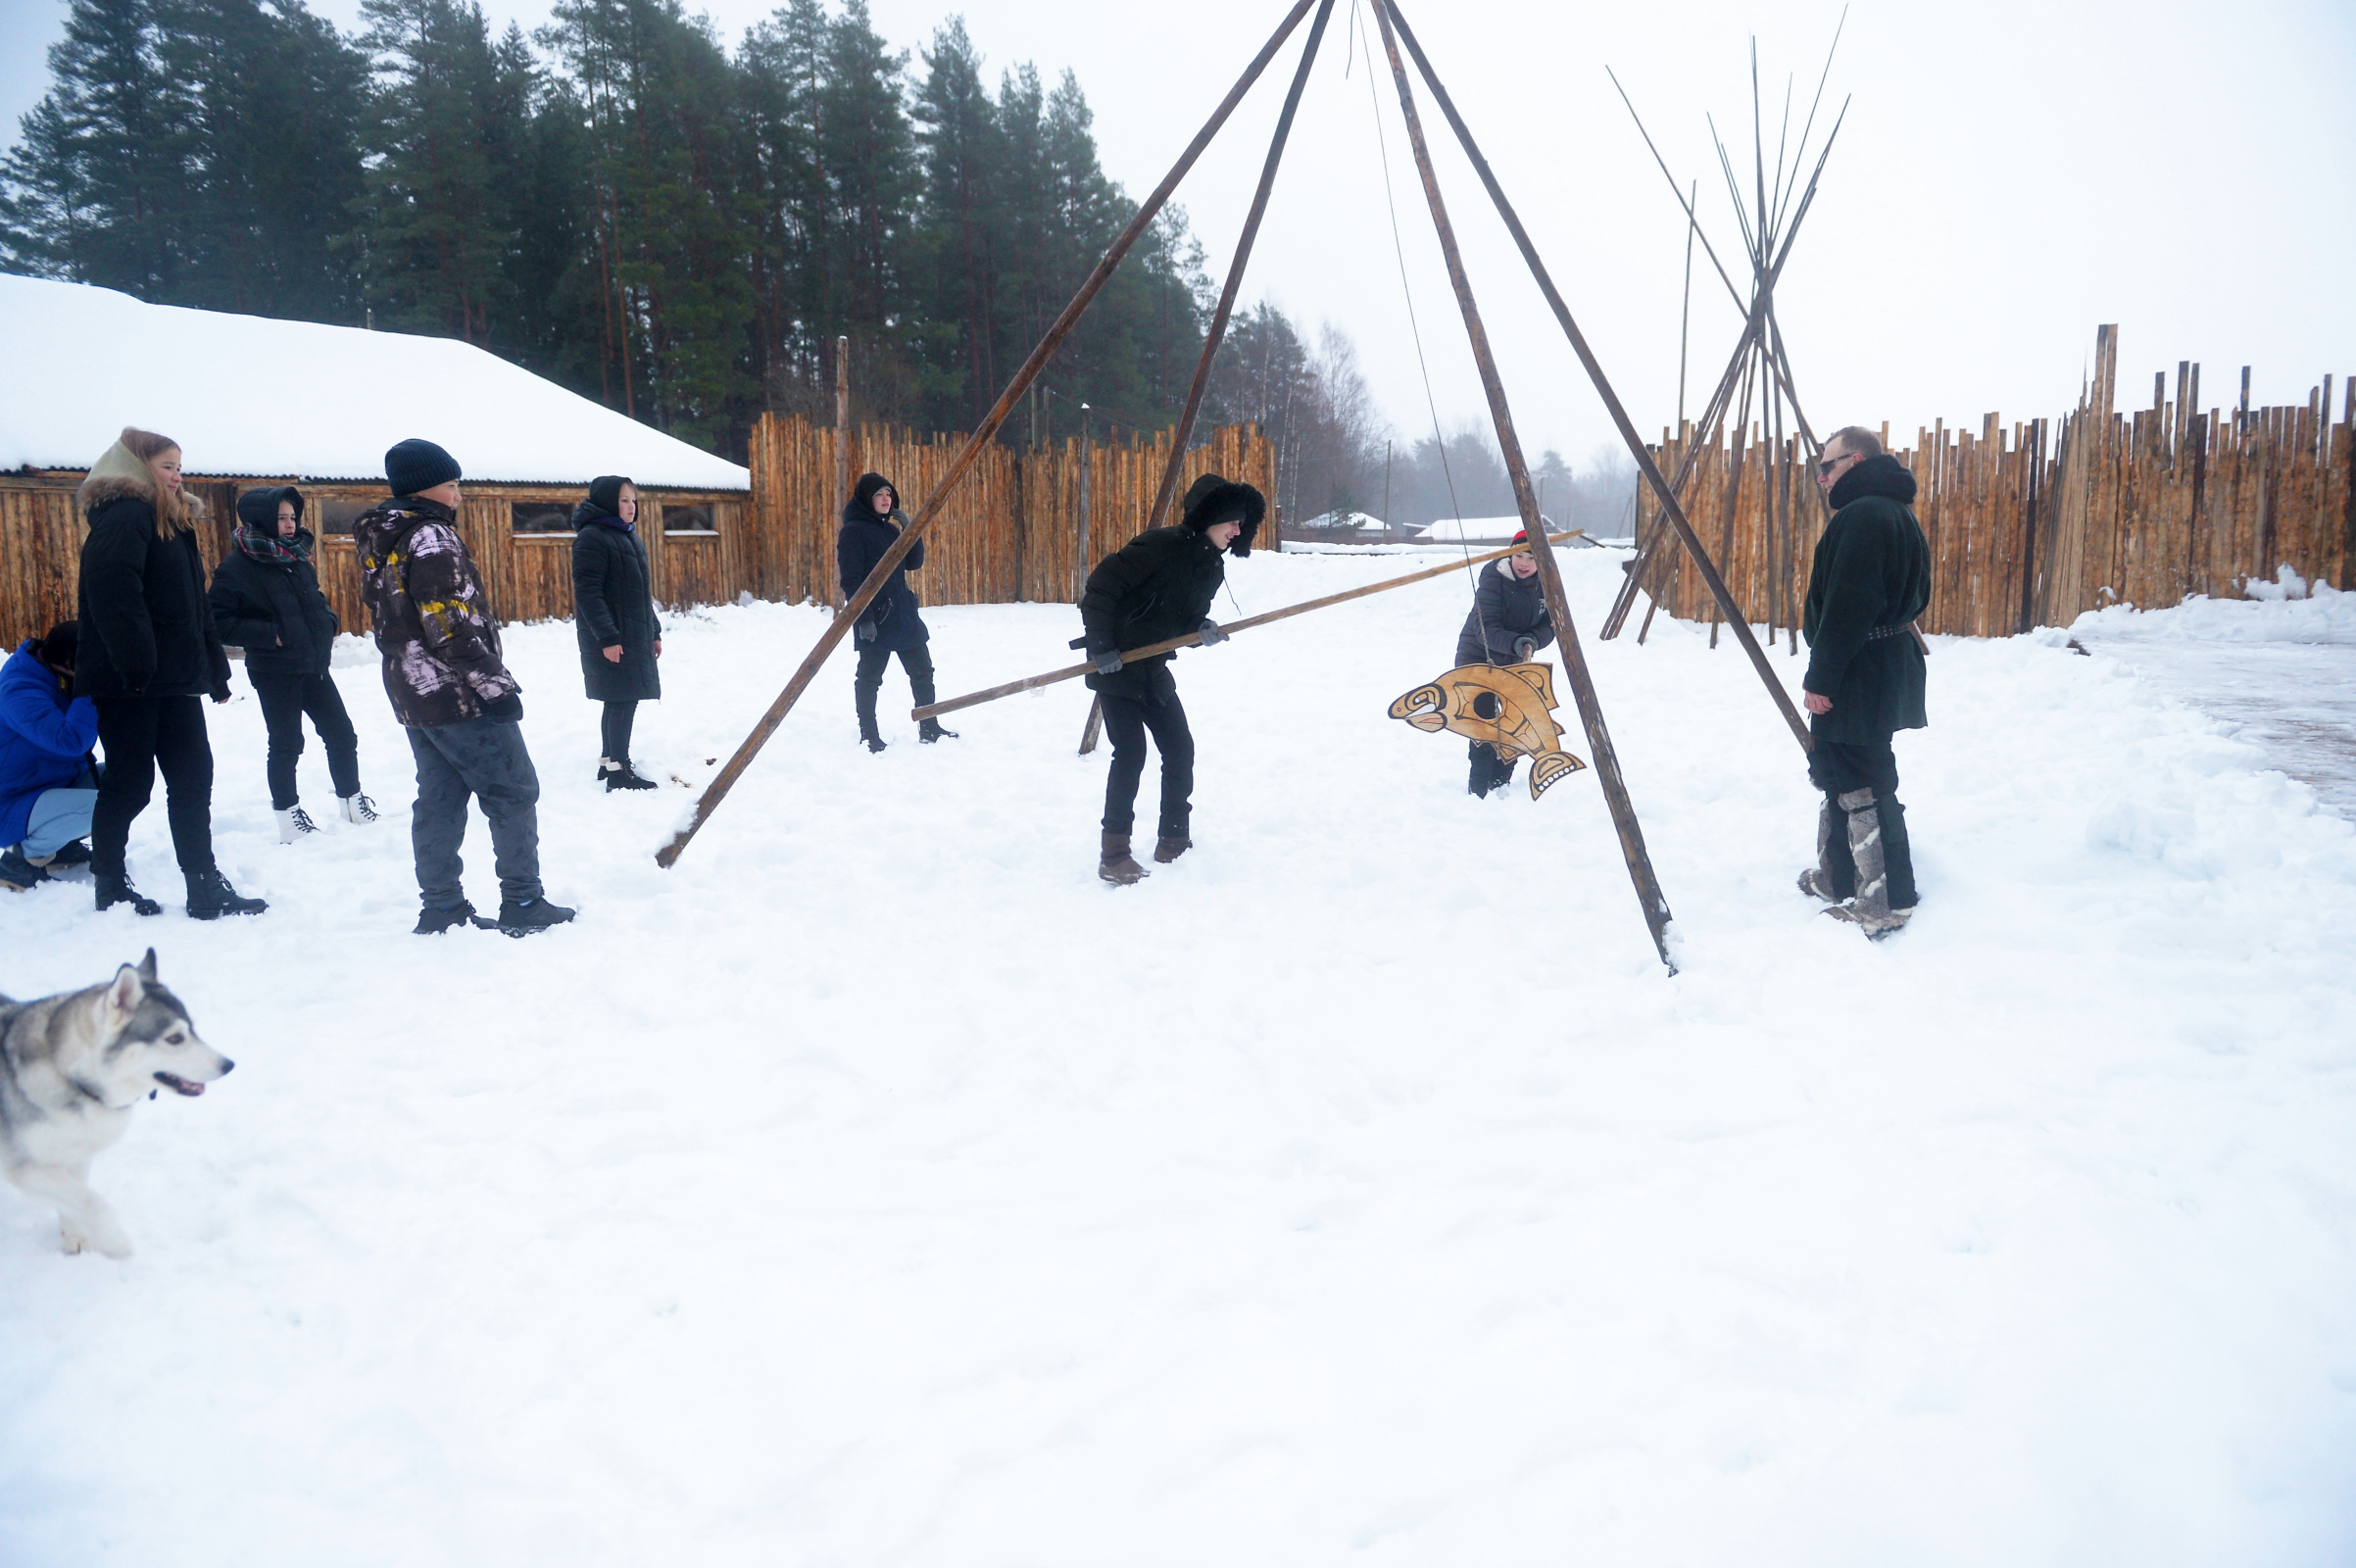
(1870, 578)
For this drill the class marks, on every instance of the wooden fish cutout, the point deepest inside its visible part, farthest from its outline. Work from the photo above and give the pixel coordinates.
(1508, 706)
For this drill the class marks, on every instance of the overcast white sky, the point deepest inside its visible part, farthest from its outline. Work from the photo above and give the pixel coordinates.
(2012, 174)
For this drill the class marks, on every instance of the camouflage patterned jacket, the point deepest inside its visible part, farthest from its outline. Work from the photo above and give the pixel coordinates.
(432, 620)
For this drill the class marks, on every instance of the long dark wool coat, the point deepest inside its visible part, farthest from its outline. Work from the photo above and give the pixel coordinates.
(1870, 577)
(857, 548)
(612, 603)
(146, 630)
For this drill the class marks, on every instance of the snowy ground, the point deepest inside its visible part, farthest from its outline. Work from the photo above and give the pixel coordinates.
(877, 1187)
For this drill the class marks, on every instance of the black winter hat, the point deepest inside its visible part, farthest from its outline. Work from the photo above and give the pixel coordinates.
(61, 645)
(258, 508)
(604, 493)
(1211, 500)
(414, 465)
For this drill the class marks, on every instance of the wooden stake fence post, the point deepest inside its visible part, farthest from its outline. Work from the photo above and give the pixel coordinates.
(840, 628)
(842, 441)
(1574, 658)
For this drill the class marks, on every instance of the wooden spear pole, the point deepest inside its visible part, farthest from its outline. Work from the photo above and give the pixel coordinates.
(1574, 658)
(726, 780)
(990, 694)
(1387, 12)
(1219, 317)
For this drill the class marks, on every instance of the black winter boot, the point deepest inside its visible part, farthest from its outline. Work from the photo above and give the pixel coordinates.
(114, 889)
(523, 919)
(210, 897)
(18, 874)
(1114, 864)
(434, 922)
(621, 776)
(930, 730)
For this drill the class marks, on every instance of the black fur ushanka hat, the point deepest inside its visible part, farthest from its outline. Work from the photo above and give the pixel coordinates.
(1212, 500)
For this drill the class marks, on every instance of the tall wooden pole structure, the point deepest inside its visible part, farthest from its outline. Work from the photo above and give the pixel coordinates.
(1388, 14)
(1650, 898)
(1219, 317)
(840, 628)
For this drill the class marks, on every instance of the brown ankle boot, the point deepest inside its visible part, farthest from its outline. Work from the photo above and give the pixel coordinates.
(1115, 866)
(1167, 849)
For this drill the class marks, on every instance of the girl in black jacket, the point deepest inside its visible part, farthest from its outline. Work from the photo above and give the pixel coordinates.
(148, 656)
(265, 599)
(871, 525)
(1508, 624)
(614, 620)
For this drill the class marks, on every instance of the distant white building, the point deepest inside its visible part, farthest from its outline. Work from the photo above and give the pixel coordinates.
(1478, 530)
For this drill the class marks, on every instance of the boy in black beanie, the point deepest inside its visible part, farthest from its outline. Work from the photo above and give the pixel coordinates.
(462, 710)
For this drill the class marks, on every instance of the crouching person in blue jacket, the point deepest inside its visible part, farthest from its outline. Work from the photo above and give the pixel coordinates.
(48, 788)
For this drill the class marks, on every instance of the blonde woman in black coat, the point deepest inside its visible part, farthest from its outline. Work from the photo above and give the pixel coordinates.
(614, 619)
(147, 658)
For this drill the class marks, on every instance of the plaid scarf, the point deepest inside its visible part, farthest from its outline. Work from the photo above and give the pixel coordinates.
(269, 548)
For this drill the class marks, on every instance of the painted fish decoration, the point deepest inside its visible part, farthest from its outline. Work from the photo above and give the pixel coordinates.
(1508, 706)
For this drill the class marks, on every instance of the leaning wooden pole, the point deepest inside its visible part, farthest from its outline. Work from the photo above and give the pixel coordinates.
(1219, 315)
(1387, 12)
(717, 790)
(1574, 658)
(1032, 683)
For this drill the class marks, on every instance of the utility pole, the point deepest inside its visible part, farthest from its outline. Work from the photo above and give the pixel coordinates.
(1684, 322)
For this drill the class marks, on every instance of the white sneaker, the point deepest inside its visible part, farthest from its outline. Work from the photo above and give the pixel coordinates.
(359, 809)
(293, 823)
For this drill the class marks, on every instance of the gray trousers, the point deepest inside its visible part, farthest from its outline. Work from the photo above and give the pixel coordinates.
(485, 759)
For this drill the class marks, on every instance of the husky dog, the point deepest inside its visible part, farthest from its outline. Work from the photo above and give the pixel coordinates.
(72, 1067)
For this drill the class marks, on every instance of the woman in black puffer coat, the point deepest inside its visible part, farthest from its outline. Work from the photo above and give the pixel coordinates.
(147, 658)
(614, 619)
(871, 525)
(265, 599)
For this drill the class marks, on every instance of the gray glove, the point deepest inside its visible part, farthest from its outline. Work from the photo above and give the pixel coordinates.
(1523, 648)
(1211, 633)
(1109, 662)
(863, 632)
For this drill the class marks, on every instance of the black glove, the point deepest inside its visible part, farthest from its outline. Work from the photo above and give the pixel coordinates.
(1109, 662)
(508, 709)
(863, 632)
(1523, 648)
(1211, 633)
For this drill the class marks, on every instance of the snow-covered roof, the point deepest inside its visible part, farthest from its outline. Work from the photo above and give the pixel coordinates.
(1454, 530)
(1336, 521)
(246, 395)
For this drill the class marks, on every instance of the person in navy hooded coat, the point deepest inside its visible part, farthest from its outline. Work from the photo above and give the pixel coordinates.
(613, 622)
(871, 525)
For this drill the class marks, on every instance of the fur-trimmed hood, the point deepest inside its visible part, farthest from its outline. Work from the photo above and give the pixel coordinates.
(120, 476)
(1213, 499)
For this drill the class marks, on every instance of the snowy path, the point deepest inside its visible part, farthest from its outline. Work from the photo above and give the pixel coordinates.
(2292, 693)
(878, 1188)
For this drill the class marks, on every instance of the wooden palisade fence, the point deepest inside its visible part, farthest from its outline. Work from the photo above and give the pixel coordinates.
(1010, 533)
(2035, 525)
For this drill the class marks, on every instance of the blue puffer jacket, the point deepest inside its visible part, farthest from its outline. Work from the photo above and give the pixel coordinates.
(43, 736)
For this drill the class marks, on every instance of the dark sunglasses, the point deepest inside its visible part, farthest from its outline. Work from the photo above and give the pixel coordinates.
(1824, 469)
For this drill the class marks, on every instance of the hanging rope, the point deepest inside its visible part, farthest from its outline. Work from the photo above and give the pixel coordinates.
(1415, 330)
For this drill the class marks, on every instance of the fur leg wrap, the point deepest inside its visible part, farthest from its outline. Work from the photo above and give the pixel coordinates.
(1865, 850)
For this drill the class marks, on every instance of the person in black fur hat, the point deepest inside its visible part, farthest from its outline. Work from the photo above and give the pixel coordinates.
(1870, 578)
(265, 599)
(871, 525)
(1157, 586)
(614, 620)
